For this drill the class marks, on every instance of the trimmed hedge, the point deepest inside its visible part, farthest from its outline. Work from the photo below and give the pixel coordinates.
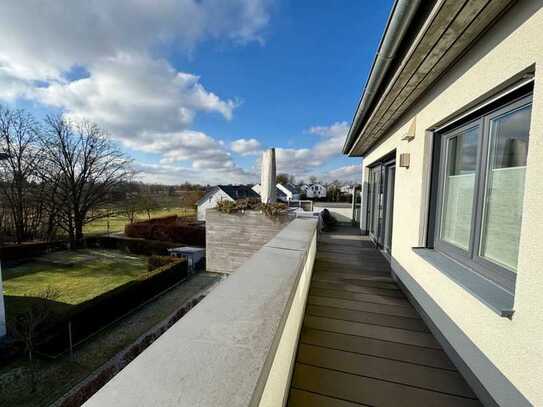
(164, 220)
(155, 262)
(168, 229)
(91, 315)
(131, 245)
(27, 250)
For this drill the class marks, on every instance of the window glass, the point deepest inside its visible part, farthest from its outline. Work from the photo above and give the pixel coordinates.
(504, 192)
(458, 188)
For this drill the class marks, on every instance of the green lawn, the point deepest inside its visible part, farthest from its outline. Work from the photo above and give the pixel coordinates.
(117, 222)
(56, 377)
(76, 276)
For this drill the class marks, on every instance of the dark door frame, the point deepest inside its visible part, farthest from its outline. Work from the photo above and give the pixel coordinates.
(380, 223)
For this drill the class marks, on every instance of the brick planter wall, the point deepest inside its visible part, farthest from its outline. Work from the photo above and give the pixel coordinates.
(232, 238)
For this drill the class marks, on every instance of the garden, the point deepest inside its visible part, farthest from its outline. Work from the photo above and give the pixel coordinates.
(64, 302)
(74, 277)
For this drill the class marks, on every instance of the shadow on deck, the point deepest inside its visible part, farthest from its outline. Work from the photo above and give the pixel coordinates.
(362, 343)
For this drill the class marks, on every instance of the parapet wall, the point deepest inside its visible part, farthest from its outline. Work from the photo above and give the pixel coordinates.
(231, 239)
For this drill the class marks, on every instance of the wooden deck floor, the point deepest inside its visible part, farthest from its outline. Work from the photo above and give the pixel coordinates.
(362, 343)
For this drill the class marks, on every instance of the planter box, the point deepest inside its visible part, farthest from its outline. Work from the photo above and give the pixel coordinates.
(232, 238)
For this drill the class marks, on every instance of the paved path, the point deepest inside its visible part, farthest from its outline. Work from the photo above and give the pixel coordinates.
(362, 343)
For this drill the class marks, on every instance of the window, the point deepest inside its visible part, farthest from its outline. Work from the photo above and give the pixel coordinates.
(480, 190)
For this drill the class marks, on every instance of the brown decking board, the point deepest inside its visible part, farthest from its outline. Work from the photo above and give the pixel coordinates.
(362, 343)
(352, 286)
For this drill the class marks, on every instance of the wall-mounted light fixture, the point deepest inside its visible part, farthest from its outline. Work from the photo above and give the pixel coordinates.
(411, 132)
(405, 159)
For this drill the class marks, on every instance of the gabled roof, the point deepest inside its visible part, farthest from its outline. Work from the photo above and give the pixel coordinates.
(317, 185)
(278, 191)
(233, 191)
(292, 188)
(208, 193)
(238, 191)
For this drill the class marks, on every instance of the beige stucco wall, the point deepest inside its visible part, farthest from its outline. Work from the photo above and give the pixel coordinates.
(514, 346)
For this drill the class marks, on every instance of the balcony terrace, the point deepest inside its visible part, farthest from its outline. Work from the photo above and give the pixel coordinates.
(298, 324)
(362, 342)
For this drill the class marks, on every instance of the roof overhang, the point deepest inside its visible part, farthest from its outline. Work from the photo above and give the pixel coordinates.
(445, 34)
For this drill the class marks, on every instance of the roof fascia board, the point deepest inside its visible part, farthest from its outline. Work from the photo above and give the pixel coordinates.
(408, 55)
(402, 14)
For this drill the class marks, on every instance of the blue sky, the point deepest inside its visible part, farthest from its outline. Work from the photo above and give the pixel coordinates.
(194, 90)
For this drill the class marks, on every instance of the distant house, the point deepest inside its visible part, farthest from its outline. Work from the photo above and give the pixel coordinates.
(346, 189)
(223, 193)
(291, 191)
(315, 191)
(281, 196)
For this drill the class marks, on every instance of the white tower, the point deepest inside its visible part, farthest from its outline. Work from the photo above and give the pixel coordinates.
(268, 177)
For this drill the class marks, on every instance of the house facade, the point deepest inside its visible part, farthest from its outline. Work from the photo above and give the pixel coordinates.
(292, 192)
(315, 191)
(450, 130)
(279, 193)
(222, 193)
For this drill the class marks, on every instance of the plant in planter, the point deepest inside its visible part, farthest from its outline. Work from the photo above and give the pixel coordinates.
(241, 205)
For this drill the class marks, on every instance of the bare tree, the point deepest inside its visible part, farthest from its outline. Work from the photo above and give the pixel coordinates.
(130, 208)
(83, 167)
(28, 324)
(19, 188)
(282, 179)
(147, 203)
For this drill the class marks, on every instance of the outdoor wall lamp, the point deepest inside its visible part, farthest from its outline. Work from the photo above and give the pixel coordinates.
(405, 159)
(410, 135)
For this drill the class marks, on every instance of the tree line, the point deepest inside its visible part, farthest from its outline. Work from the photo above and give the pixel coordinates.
(54, 174)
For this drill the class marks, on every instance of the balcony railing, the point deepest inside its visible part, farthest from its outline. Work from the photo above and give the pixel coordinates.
(237, 347)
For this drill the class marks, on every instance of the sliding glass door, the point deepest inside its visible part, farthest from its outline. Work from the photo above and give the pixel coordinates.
(381, 203)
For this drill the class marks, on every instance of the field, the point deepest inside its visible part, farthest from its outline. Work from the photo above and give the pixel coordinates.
(116, 223)
(76, 276)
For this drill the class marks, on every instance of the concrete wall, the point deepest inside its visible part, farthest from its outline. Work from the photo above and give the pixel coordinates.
(237, 346)
(210, 203)
(341, 211)
(232, 238)
(505, 355)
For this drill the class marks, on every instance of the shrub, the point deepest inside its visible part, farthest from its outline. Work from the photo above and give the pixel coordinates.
(275, 209)
(138, 229)
(271, 210)
(129, 245)
(169, 229)
(162, 220)
(226, 206)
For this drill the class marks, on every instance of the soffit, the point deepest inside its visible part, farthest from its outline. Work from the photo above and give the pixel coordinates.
(450, 29)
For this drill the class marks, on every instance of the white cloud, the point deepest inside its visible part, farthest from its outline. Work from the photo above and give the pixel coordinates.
(174, 174)
(199, 148)
(303, 161)
(127, 88)
(41, 40)
(138, 97)
(246, 146)
(348, 173)
(132, 95)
